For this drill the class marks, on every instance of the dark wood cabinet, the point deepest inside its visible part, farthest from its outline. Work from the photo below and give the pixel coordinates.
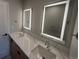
(16, 52)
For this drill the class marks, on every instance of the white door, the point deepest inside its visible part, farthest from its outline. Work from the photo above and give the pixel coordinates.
(4, 18)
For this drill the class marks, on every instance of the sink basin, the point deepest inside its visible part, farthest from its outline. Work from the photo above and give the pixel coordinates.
(41, 53)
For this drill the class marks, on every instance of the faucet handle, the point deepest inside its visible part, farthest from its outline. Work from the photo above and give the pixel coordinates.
(47, 44)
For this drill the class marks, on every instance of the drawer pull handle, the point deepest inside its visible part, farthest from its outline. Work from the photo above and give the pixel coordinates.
(18, 52)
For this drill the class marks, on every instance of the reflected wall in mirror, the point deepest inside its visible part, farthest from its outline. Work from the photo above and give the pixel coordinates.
(54, 20)
(27, 19)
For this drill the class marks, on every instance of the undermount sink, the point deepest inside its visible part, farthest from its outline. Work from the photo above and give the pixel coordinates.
(41, 53)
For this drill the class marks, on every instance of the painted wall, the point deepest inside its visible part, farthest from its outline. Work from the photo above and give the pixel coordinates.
(15, 14)
(74, 43)
(37, 9)
(4, 24)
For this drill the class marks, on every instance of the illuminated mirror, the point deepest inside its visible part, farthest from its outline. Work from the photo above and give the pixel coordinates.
(54, 20)
(27, 19)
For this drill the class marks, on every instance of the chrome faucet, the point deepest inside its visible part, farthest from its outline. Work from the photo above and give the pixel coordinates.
(47, 44)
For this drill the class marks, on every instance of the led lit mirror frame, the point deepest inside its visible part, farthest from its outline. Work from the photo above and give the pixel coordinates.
(64, 20)
(27, 18)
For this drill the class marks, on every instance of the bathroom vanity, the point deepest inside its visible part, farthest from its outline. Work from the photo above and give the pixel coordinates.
(25, 46)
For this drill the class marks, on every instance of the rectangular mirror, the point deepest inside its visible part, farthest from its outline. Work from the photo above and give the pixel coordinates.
(27, 19)
(54, 20)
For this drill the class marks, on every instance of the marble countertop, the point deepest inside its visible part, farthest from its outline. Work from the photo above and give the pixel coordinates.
(27, 43)
(24, 42)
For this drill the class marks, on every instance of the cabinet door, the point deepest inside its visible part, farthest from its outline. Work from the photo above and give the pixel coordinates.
(16, 52)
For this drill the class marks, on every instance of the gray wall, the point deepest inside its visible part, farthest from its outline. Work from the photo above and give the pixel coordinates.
(4, 24)
(15, 14)
(37, 15)
(37, 9)
(74, 44)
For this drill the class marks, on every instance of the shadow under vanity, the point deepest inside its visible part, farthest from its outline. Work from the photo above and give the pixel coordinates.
(47, 30)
